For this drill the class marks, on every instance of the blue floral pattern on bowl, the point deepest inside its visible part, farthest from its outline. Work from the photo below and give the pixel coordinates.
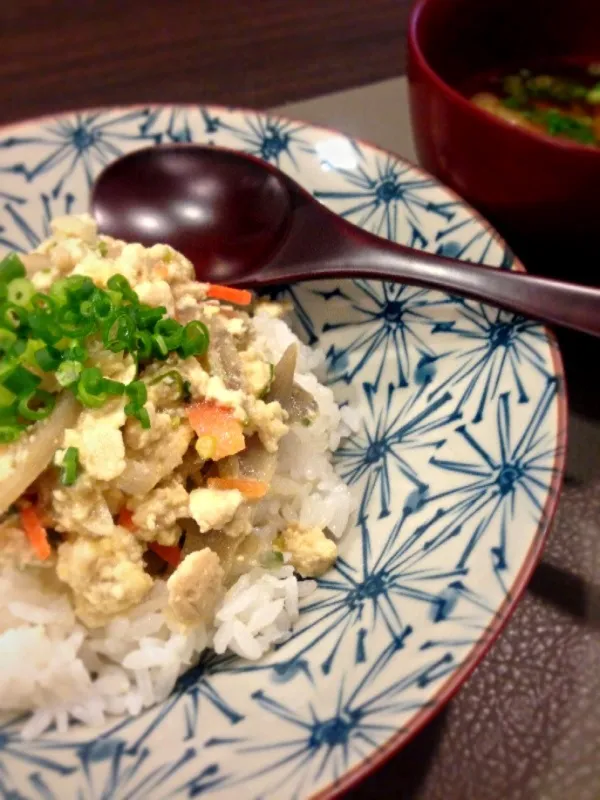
(455, 468)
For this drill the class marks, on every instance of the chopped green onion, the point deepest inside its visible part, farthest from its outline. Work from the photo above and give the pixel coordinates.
(73, 324)
(20, 291)
(7, 368)
(11, 267)
(113, 387)
(593, 96)
(86, 309)
(7, 398)
(43, 302)
(102, 249)
(36, 405)
(120, 284)
(143, 417)
(27, 357)
(171, 331)
(69, 466)
(195, 339)
(137, 393)
(68, 372)
(172, 378)
(147, 317)
(21, 380)
(7, 339)
(48, 358)
(76, 353)
(160, 346)
(10, 432)
(119, 332)
(45, 326)
(58, 292)
(102, 305)
(12, 316)
(143, 345)
(78, 288)
(89, 388)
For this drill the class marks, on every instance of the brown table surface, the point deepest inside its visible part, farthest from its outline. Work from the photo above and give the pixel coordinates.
(527, 724)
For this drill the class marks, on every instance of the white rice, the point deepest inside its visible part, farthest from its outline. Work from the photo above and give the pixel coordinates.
(62, 671)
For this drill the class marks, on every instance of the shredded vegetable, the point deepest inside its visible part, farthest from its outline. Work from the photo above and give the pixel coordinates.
(238, 297)
(252, 490)
(172, 555)
(35, 532)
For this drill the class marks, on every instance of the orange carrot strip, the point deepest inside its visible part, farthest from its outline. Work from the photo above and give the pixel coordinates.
(172, 555)
(126, 519)
(252, 490)
(239, 297)
(212, 420)
(35, 532)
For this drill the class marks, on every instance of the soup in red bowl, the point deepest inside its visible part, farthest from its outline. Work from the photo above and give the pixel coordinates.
(504, 109)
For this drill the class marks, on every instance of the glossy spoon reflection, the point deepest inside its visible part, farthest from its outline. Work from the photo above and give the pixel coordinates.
(243, 222)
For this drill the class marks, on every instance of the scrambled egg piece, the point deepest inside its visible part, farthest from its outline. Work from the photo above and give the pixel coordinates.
(311, 551)
(268, 420)
(76, 248)
(82, 508)
(156, 513)
(212, 509)
(156, 293)
(233, 398)
(99, 440)
(257, 371)
(196, 588)
(106, 575)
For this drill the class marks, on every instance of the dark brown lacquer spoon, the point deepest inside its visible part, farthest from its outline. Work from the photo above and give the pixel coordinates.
(244, 223)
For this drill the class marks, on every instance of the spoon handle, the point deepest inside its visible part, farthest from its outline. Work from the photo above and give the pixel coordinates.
(555, 302)
(339, 249)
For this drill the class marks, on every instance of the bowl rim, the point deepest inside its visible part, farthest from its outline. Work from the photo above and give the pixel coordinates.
(416, 51)
(382, 754)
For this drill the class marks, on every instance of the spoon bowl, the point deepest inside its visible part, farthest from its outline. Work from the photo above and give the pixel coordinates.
(242, 221)
(227, 215)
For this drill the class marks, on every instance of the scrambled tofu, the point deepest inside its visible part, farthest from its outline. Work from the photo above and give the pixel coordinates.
(196, 588)
(257, 371)
(156, 293)
(99, 441)
(212, 509)
(312, 553)
(82, 508)
(106, 575)
(155, 515)
(268, 420)
(155, 473)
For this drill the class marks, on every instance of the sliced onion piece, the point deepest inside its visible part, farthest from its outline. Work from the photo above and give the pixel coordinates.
(299, 404)
(32, 454)
(223, 356)
(35, 262)
(283, 377)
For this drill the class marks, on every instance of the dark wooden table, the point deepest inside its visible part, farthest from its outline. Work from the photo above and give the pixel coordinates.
(527, 724)
(83, 53)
